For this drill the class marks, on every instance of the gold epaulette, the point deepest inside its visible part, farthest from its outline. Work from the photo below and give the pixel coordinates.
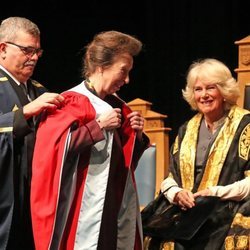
(6, 129)
(3, 79)
(36, 84)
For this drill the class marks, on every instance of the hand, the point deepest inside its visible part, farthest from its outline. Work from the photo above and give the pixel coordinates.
(110, 119)
(204, 192)
(185, 199)
(47, 101)
(136, 122)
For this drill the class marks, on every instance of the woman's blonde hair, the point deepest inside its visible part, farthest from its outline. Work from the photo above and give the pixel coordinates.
(211, 71)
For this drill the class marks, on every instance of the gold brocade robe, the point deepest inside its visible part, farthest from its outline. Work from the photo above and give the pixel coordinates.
(227, 161)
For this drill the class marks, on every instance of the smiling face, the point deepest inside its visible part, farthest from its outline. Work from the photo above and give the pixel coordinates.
(20, 65)
(209, 100)
(116, 75)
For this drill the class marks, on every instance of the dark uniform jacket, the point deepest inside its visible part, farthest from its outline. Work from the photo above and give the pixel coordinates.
(16, 149)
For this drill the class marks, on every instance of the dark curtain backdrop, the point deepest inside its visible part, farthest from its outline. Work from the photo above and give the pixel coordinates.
(174, 34)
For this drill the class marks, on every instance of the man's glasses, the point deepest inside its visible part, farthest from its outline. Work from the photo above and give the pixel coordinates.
(28, 51)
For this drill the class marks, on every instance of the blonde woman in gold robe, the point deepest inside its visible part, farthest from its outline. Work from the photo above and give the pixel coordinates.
(210, 157)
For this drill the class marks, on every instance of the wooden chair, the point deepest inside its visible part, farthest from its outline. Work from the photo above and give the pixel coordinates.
(247, 97)
(155, 160)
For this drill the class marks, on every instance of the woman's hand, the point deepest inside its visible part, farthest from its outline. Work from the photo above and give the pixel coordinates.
(185, 199)
(136, 122)
(110, 120)
(204, 192)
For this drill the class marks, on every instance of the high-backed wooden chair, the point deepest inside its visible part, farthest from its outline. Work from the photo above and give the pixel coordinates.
(247, 97)
(155, 160)
(243, 71)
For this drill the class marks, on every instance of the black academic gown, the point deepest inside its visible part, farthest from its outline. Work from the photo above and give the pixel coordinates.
(228, 160)
(16, 149)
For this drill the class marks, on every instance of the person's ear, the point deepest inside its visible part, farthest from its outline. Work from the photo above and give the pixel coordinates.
(100, 70)
(3, 50)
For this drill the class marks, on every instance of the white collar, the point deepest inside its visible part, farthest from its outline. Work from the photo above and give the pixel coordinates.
(7, 72)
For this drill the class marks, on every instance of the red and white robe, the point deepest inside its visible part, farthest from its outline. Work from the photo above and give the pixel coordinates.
(86, 200)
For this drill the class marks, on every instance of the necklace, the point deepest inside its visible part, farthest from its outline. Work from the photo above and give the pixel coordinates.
(90, 86)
